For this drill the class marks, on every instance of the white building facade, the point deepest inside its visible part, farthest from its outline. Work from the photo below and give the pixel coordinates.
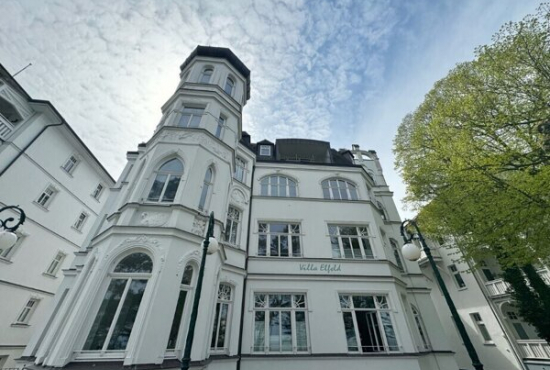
(309, 273)
(501, 338)
(47, 171)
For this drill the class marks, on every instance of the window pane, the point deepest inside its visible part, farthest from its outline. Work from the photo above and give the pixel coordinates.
(347, 248)
(259, 330)
(274, 246)
(296, 250)
(367, 248)
(173, 166)
(350, 332)
(274, 187)
(301, 331)
(187, 275)
(223, 326)
(204, 193)
(356, 248)
(105, 315)
(156, 189)
(335, 248)
(522, 334)
(292, 189)
(125, 322)
(135, 262)
(286, 331)
(369, 331)
(388, 329)
(171, 188)
(484, 332)
(262, 241)
(283, 240)
(184, 120)
(326, 193)
(459, 280)
(195, 121)
(173, 337)
(274, 331)
(353, 192)
(363, 301)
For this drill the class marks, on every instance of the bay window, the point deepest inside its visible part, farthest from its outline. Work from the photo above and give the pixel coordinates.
(166, 182)
(350, 242)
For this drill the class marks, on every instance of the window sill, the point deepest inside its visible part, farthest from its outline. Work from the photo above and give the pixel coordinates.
(461, 289)
(6, 260)
(67, 172)
(44, 208)
(94, 198)
(77, 230)
(19, 325)
(490, 344)
(51, 276)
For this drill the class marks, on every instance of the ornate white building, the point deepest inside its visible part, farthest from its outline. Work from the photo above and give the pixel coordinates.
(309, 273)
(49, 172)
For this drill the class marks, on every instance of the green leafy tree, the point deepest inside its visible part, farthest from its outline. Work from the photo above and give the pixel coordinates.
(472, 156)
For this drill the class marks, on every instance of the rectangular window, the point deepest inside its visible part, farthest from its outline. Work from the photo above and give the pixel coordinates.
(265, 150)
(488, 274)
(219, 128)
(80, 221)
(221, 319)
(368, 323)
(70, 164)
(191, 117)
(350, 242)
(481, 327)
(279, 239)
(240, 168)
(27, 311)
(46, 197)
(280, 323)
(457, 277)
(56, 264)
(97, 192)
(232, 225)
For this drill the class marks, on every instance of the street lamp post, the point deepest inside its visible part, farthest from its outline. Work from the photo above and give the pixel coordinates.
(9, 225)
(209, 241)
(412, 253)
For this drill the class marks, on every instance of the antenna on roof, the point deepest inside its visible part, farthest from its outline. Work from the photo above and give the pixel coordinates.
(27, 66)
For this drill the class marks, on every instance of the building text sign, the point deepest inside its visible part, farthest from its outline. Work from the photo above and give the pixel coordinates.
(327, 268)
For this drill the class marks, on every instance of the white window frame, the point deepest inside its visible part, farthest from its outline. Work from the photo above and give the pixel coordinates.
(191, 115)
(81, 221)
(203, 74)
(55, 264)
(233, 225)
(333, 188)
(397, 255)
(297, 304)
(265, 150)
(421, 328)
(169, 175)
(222, 120)
(70, 165)
(240, 170)
(269, 182)
(96, 194)
(225, 299)
(479, 323)
(363, 232)
(229, 78)
(189, 288)
(206, 190)
(294, 234)
(48, 194)
(454, 271)
(26, 313)
(347, 305)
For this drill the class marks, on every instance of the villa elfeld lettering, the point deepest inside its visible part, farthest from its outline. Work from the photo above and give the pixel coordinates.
(327, 268)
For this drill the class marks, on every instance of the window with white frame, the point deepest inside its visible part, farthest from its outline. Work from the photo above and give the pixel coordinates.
(112, 326)
(397, 255)
(46, 196)
(220, 330)
(278, 186)
(457, 277)
(229, 86)
(276, 239)
(219, 127)
(191, 117)
(206, 189)
(350, 241)
(185, 288)
(240, 169)
(166, 182)
(481, 327)
(368, 323)
(265, 150)
(206, 75)
(280, 323)
(339, 189)
(27, 311)
(231, 232)
(56, 263)
(70, 164)
(420, 327)
(7, 253)
(80, 221)
(97, 191)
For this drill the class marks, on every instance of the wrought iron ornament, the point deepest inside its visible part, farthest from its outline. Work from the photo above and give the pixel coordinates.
(8, 223)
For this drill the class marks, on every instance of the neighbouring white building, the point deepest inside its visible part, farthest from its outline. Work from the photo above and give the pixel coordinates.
(502, 339)
(309, 273)
(49, 172)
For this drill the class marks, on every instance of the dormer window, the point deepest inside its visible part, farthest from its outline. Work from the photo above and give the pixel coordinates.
(265, 150)
(229, 86)
(206, 75)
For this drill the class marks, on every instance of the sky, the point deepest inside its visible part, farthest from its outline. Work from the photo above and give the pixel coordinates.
(340, 71)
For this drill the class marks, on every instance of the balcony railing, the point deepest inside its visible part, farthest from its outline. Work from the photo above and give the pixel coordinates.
(497, 287)
(534, 348)
(5, 127)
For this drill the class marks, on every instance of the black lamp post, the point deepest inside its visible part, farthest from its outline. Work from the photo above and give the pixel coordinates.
(209, 240)
(412, 253)
(9, 225)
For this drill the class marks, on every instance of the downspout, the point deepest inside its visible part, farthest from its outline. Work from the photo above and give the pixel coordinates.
(246, 271)
(28, 145)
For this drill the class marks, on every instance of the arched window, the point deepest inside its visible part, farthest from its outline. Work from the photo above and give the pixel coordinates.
(206, 189)
(206, 75)
(339, 189)
(114, 321)
(185, 287)
(421, 328)
(229, 86)
(221, 318)
(166, 182)
(278, 186)
(397, 255)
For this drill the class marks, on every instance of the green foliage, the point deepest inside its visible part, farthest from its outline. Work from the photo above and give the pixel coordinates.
(471, 154)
